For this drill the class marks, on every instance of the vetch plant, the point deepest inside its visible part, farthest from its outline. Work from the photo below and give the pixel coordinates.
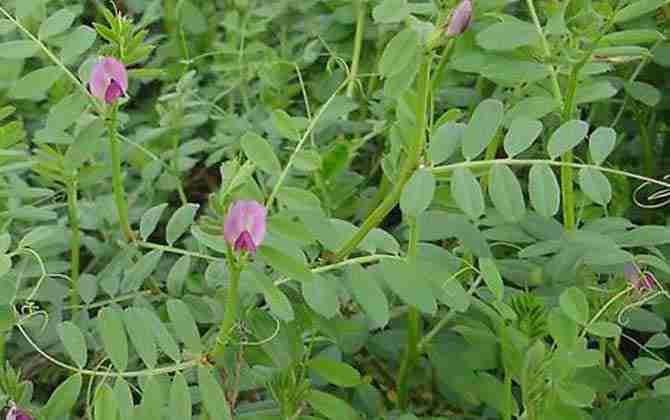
(328, 209)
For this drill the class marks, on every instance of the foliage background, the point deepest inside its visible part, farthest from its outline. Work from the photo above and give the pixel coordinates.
(515, 169)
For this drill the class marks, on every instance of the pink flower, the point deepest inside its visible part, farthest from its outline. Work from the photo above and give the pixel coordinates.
(109, 80)
(639, 280)
(460, 18)
(16, 414)
(244, 227)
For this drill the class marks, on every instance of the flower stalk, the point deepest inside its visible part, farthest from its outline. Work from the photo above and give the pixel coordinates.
(117, 178)
(75, 239)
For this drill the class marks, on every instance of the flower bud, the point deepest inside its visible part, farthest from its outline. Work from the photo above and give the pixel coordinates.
(460, 19)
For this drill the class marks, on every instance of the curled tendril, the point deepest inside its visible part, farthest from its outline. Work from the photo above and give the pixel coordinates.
(265, 340)
(656, 199)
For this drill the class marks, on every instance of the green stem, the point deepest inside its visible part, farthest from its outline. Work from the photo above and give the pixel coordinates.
(546, 49)
(175, 167)
(410, 164)
(358, 44)
(439, 170)
(438, 75)
(231, 309)
(647, 149)
(413, 328)
(3, 345)
(117, 180)
(567, 173)
(410, 356)
(75, 240)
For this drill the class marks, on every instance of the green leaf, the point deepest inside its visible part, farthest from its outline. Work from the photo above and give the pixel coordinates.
(192, 18)
(544, 191)
(417, 293)
(213, 397)
(217, 243)
(390, 11)
(647, 366)
(445, 141)
(285, 125)
(658, 341)
(337, 373)
(7, 318)
(180, 222)
(259, 151)
(184, 325)
(141, 335)
(531, 108)
(482, 127)
(575, 394)
(643, 92)
(74, 342)
(633, 36)
(418, 193)
(637, 9)
(506, 194)
(165, 341)
(123, 398)
(574, 305)
(35, 84)
(369, 295)
(601, 144)
(567, 137)
(18, 50)
(285, 264)
(114, 340)
(105, 407)
(595, 185)
(5, 264)
(63, 399)
(492, 277)
(321, 294)
(595, 91)
(509, 35)
(399, 52)
(77, 42)
(330, 406)
(604, 329)
(56, 24)
(521, 135)
(467, 192)
(150, 219)
(625, 51)
(180, 398)
(152, 400)
(142, 269)
(177, 275)
(279, 303)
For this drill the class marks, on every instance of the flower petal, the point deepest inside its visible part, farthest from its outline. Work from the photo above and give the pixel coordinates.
(117, 71)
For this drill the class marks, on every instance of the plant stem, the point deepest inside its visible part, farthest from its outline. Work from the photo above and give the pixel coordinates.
(567, 173)
(410, 356)
(410, 164)
(117, 180)
(438, 75)
(231, 309)
(358, 44)
(413, 327)
(175, 167)
(546, 49)
(528, 162)
(75, 240)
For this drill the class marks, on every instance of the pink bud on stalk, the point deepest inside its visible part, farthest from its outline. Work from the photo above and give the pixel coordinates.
(460, 18)
(244, 226)
(109, 80)
(639, 280)
(15, 413)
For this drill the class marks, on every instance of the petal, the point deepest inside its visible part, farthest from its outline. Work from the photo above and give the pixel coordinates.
(258, 227)
(233, 224)
(245, 243)
(460, 18)
(117, 71)
(99, 81)
(113, 92)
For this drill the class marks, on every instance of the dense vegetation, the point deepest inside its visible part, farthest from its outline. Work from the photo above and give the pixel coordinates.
(334, 209)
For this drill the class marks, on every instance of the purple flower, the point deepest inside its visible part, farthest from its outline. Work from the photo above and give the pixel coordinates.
(109, 80)
(244, 227)
(15, 413)
(460, 18)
